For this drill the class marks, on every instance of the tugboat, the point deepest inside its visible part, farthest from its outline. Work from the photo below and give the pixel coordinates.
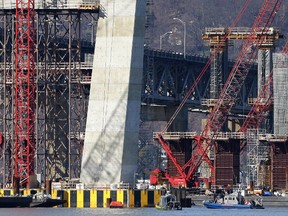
(168, 202)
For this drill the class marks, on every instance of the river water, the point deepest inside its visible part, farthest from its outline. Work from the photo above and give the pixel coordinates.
(194, 211)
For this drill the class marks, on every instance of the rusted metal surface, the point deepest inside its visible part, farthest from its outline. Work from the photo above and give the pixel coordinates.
(227, 166)
(279, 163)
(264, 175)
(182, 153)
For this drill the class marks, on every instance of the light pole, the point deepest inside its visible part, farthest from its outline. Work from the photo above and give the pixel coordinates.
(162, 36)
(184, 40)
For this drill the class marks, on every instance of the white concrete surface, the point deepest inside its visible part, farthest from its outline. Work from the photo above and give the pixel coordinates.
(112, 128)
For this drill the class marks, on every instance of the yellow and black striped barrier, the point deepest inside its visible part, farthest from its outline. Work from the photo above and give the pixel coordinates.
(101, 198)
(9, 192)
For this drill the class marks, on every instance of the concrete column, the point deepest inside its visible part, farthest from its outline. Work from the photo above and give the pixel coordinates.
(112, 128)
(280, 81)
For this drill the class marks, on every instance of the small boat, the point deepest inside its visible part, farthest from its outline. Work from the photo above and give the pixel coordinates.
(116, 204)
(233, 201)
(168, 202)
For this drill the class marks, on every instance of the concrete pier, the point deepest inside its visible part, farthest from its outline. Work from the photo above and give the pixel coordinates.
(112, 128)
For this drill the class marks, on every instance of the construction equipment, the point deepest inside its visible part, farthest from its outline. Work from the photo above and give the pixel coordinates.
(24, 91)
(236, 78)
(227, 96)
(165, 145)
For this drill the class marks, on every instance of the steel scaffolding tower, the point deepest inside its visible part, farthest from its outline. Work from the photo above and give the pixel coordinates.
(62, 78)
(24, 92)
(257, 154)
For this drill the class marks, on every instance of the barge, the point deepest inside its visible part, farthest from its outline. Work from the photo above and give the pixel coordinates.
(30, 201)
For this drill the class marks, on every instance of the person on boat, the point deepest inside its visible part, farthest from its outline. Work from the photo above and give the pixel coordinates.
(240, 198)
(215, 197)
(222, 195)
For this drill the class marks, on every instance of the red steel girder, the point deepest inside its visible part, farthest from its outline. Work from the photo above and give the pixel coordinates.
(260, 107)
(194, 161)
(24, 145)
(171, 156)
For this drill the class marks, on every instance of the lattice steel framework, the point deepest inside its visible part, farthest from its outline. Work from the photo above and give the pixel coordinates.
(237, 75)
(24, 139)
(167, 78)
(62, 80)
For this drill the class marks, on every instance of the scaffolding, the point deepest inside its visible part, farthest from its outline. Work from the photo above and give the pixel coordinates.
(56, 4)
(258, 153)
(62, 84)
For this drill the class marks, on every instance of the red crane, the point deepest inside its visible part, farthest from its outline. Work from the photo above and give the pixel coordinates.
(228, 94)
(236, 78)
(24, 91)
(181, 170)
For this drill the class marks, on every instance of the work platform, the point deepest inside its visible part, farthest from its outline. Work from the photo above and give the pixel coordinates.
(218, 36)
(221, 136)
(57, 5)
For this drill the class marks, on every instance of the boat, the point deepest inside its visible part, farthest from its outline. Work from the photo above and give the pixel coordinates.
(45, 200)
(30, 201)
(234, 201)
(116, 204)
(168, 202)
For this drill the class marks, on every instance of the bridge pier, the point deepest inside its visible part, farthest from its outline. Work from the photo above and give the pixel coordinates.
(112, 127)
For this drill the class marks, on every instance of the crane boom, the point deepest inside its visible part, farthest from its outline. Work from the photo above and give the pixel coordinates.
(241, 68)
(24, 91)
(163, 143)
(203, 71)
(236, 78)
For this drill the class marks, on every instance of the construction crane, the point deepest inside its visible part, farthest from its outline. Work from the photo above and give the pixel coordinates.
(227, 95)
(235, 80)
(24, 90)
(182, 176)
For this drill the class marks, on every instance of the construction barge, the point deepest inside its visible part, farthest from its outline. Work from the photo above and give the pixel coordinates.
(30, 201)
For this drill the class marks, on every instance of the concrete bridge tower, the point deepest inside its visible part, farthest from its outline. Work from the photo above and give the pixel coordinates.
(112, 128)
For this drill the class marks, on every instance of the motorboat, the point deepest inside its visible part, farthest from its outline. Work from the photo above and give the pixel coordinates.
(234, 201)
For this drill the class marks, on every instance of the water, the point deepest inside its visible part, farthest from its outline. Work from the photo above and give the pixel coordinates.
(194, 211)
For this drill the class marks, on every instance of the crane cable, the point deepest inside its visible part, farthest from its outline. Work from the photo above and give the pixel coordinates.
(245, 6)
